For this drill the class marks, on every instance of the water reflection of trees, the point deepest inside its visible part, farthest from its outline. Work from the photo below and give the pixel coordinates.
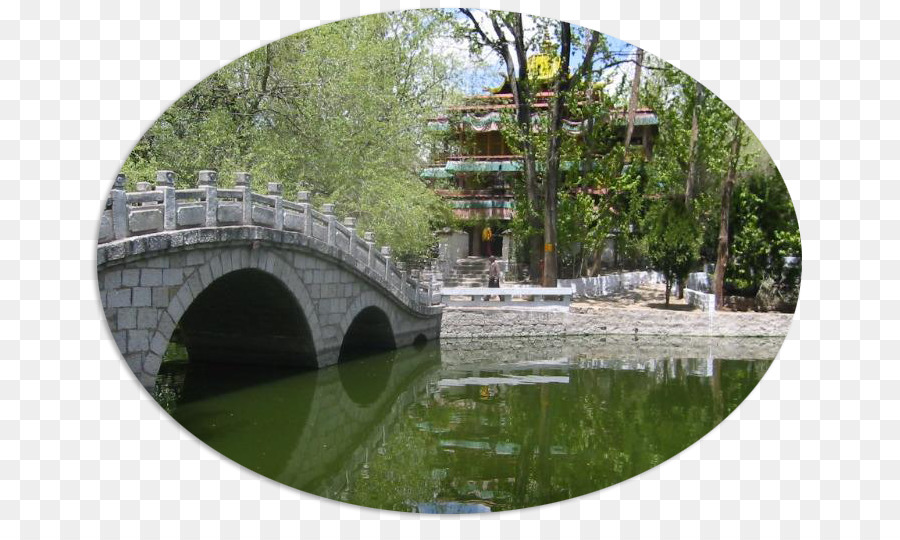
(473, 435)
(518, 446)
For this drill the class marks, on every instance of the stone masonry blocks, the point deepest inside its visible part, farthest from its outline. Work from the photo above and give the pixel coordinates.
(131, 277)
(145, 297)
(151, 277)
(138, 340)
(112, 279)
(147, 317)
(193, 282)
(206, 277)
(160, 297)
(151, 363)
(126, 318)
(119, 298)
(172, 276)
(159, 343)
(227, 263)
(140, 297)
(215, 265)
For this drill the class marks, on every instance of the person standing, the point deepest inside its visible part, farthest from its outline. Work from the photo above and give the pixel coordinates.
(493, 274)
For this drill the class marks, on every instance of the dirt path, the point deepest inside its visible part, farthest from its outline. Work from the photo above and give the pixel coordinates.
(649, 296)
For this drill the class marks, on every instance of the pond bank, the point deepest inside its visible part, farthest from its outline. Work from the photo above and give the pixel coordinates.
(621, 348)
(516, 322)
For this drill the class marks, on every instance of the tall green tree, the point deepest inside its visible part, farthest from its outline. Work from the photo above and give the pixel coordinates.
(505, 34)
(337, 110)
(672, 240)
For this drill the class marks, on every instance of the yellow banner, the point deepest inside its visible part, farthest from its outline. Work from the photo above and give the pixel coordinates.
(548, 248)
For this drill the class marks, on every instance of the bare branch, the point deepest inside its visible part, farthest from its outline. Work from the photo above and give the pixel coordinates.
(496, 44)
(589, 53)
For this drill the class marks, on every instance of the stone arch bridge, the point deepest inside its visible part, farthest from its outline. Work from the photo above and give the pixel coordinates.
(239, 276)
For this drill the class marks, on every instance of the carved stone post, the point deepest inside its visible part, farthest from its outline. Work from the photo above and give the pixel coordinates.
(207, 181)
(401, 266)
(386, 253)
(303, 201)
(429, 297)
(328, 210)
(414, 277)
(165, 182)
(350, 224)
(369, 237)
(275, 191)
(243, 181)
(119, 208)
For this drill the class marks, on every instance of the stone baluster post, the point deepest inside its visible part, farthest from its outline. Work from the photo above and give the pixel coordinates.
(274, 189)
(119, 208)
(243, 181)
(369, 237)
(165, 182)
(328, 210)
(207, 181)
(386, 253)
(414, 276)
(303, 201)
(432, 285)
(401, 266)
(350, 223)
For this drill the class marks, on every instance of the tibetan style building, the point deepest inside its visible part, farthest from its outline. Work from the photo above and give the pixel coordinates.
(476, 168)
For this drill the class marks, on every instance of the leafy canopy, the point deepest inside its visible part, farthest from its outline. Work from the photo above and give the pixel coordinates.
(337, 110)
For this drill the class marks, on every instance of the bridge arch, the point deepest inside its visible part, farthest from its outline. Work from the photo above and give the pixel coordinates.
(366, 326)
(247, 316)
(148, 282)
(236, 261)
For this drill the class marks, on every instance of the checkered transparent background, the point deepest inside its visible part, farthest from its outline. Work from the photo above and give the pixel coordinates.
(812, 453)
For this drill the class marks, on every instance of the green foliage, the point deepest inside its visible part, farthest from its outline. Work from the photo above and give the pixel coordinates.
(336, 110)
(764, 232)
(671, 240)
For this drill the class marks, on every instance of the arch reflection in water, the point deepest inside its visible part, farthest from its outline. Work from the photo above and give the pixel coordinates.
(302, 428)
(453, 429)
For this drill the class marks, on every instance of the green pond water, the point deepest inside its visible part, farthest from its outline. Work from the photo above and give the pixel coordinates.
(469, 426)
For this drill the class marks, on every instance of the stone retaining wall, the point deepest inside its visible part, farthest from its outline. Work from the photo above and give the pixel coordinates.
(508, 350)
(511, 322)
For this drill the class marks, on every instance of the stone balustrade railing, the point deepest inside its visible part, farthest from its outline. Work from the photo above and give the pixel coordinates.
(164, 208)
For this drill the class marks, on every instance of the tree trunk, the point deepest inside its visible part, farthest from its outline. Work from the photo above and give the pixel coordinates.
(690, 187)
(518, 82)
(633, 101)
(551, 181)
(725, 214)
(515, 57)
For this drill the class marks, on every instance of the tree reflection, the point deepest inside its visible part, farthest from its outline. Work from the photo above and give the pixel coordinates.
(523, 445)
